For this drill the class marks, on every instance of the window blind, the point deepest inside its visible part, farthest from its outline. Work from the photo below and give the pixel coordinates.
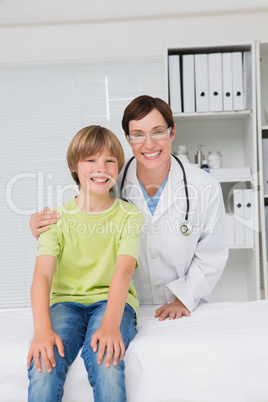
(42, 106)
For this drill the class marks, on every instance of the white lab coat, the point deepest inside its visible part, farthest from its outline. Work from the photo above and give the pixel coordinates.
(171, 264)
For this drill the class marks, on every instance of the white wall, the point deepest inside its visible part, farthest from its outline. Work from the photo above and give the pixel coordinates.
(39, 11)
(110, 37)
(59, 30)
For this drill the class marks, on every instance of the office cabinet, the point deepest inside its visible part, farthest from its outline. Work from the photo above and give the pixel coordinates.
(232, 132)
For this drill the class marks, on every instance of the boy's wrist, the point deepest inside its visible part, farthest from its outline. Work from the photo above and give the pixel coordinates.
(42, 326)
(111, 322)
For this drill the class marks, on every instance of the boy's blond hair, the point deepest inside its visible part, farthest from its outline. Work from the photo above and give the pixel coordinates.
(90, 141)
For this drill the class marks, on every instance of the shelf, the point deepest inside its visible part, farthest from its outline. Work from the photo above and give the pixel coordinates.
(234, 179)
(234, 134)
(233, 247)
(240, 115)
(232, 175)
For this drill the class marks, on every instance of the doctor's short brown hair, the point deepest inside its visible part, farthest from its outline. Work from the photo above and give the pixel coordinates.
(92, 140)
(143, 105)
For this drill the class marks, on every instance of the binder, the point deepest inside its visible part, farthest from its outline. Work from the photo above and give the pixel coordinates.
(230, 229)
(248, 217)
(266, 227)
(227, 81)
(174, 83)
(201, 82)
(188, 80)
(247, 80)
(215, 81)
(237, 70)
(239, 217)
(265, 164)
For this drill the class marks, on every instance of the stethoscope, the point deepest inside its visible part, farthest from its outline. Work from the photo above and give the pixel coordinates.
(185, 227)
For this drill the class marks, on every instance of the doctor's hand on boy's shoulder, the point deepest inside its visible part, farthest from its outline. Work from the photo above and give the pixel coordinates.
(40, 221)
(43, 343)
(172, 311)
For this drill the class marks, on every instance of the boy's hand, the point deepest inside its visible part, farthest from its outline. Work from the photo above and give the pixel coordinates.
(108, 336)
(40, 221)
(43, 343)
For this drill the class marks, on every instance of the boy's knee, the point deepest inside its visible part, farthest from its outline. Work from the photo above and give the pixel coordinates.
(41, 383)
(108, 382)
(109, 375)
(46, 383)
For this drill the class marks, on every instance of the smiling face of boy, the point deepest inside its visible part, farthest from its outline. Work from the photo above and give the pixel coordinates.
(97, 173)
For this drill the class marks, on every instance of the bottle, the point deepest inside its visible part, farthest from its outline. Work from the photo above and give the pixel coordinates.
(214, 160)
(199, 157)
(205, 165)
(182, 153)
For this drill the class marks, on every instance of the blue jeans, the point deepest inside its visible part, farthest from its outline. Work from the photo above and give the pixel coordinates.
(75, 323)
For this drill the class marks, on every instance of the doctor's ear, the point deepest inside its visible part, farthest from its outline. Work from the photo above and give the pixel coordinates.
(173, 132)
(127, 138)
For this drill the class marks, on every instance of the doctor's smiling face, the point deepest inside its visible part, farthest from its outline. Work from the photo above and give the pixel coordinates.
(154, 152)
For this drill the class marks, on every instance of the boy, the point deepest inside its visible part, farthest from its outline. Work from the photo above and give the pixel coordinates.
(83, 270)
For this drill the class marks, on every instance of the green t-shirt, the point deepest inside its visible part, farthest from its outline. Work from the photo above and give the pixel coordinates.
(86, 247)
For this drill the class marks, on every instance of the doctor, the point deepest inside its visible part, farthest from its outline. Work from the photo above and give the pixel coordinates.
(184, 246)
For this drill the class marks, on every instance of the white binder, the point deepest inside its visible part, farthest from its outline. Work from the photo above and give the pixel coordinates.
(247, 80)
(237, 81)
(230, 229)
(201, 82)
(248, 217)
(266, 226)
(188, 79)
(215, 81)
(265, 164)
(227, 81)
(239, 218)
(174, 83)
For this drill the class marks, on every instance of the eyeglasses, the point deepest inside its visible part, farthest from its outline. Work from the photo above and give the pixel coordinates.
(138, 138)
